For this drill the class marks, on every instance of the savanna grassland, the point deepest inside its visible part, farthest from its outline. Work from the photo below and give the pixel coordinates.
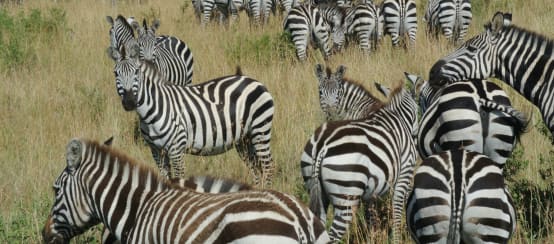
(56, 83)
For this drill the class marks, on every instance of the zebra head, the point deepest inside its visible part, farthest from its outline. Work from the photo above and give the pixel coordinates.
(426, 93)
(147, 39)
(71, 213)
(127, 77)
(331, 89)
(121, 32)
(476, 58)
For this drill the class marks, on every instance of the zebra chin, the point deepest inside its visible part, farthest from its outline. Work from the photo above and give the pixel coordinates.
(51, 238)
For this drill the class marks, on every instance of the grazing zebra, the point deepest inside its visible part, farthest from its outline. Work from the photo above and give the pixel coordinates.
(204, 10)
(305, 24)
(259, 10)
(451, 17)
(519, 57)
(204, 119)
(474, 115)
(343, 99)
(172, 57)
(459, 196)
(362, 23)
(400, 19)
(137, 205)
(345, 162)
(196, 183)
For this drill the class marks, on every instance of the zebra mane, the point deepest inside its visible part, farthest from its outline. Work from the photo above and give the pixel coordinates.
(238, 71)
(533, 34)
(359, 84)
(125, 160)
(395, 93)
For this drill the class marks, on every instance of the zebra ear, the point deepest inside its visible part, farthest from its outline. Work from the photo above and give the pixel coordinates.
(73, 154)
(319, 72)
(507, 19)
(109, 19)
(497, 23)
(340, 72)
(135, 25)
(113, 54)
(155, 25)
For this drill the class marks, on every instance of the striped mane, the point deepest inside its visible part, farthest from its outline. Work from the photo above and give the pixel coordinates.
(517, 29)
(125, 161)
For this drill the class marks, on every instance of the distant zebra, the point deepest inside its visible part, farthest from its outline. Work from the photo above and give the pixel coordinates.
(451, 17)
(346, 162)
(172, 57)
(344, 99)
(400, 20)
(363, 24)
(306, 25)
(204, 10)
(259, 11)
(203, 119)
(460, 197)
(196, 183)
(137, 205)
(519, 57)
(474, 115)
(121, 34)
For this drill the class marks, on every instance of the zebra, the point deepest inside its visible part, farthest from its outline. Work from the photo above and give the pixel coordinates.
(204, 10)
(363, 23)
(206, 184)
(451, 17)
(305, 24)
(459, 196)
(351, 160)
(519, 57)
(203, 119)
(344, 99)
(474, 115)
(259, 11)
(172, 57)
(400, 19)
(102, 185)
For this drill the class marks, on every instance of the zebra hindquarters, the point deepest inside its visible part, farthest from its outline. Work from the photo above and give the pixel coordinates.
(428, 211)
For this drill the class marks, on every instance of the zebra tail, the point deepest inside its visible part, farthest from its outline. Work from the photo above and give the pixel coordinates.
(455, 215)
(314, 187)
(519, 119)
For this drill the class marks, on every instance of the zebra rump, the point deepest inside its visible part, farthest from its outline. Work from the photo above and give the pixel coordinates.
(459, 196)
(138, 205)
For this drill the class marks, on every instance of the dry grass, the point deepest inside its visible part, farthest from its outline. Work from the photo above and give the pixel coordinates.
(68, 91)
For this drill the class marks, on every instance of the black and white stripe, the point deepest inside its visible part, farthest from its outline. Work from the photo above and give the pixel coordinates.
(519, 57)
(204, 119)
(306, 25)
(400, 20)
(172, 57)
(473, 115)
(344, 99)
(364, 25)
(259, 11)
(205, 184)
(205, 9)
(450, 17)
(459, 196)
(346, 162)
(137, 205)
(121, 34)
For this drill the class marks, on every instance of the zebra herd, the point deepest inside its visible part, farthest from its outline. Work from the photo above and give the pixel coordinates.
(366, 149)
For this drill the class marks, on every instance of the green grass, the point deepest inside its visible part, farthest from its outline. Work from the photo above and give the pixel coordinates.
(57, 83)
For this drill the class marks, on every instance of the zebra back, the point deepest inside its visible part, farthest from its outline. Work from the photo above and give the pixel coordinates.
(344, 99)
(102, 185)
(460, 196)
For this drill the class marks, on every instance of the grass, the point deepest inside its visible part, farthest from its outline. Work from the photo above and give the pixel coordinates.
(58, 84)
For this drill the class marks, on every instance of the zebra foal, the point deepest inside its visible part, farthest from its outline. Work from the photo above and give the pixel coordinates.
(137, 205)
(459, 196)
(345, 162)
(519, 57)
(204, 119)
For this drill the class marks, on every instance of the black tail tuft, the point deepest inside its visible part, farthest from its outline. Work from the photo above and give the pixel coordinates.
(239, 70)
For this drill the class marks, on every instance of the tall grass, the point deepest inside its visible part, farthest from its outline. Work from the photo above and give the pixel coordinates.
(57, 83)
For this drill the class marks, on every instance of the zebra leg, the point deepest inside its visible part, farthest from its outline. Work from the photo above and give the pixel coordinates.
(246, 154)
(341, 221)
(177, 164)
(159, 155)
(301, 43)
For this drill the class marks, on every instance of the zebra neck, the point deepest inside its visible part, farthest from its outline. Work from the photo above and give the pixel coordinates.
(120, 193)
(150, 96)
(526, 63)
